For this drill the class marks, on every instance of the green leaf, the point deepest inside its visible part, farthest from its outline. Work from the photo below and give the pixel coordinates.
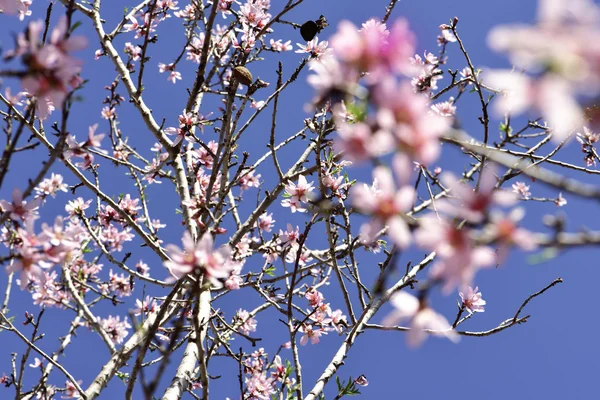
(543, 256)
(123, 376)
(358, 111)
(75, 26)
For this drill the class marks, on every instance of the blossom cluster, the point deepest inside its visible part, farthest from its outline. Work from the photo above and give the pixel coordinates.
(321, 319)
(51, 71)
(262, 385)
(560, 53)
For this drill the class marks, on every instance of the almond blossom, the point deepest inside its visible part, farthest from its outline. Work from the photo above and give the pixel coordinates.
(12, 7)
(116, 329)
(51, 186)
(422, 319)
(174, 76)
(560, 201)
(317, 51)
(522, 189)
(505, 230)
(472, 204)
(459, 258)
(247, 324)
(147, 306)
(277, 45)
(52, 71)
(120, 284)
(200, 258)
(29, 262)
(406, 116)
(551, 96)
(445, 108)
(588, 140)
(359, 143)
(19, 209)
(310, 332)
(265, 222)
(471, 299)
(385, 204)
(373, 48)
(297, 194)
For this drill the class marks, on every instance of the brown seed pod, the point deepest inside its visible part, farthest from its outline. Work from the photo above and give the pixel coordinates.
(242, 75)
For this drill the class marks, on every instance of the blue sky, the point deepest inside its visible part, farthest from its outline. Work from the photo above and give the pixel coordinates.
(553, 355)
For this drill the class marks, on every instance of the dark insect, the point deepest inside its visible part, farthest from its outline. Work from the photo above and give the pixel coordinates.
(309, 29)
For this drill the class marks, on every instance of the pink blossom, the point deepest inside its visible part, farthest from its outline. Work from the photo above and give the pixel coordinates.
(37, 363)
(385, 203)
(14, 100)
(297, 194)
(29, 262)
(235, 280)
(316, 50)
(504, 229)
(12, 7)
(338, 320)
(314, 297)
(290, 236)
(423, 320)
(373, 48)
(279, 46)
(259, 387)
(249, 180)
(254, 15)
(135, 52)
(115, 237)
(247, 323)
(522, 189)
(459, 258)
(52, 70)
(201, 259)
(550, 95)
(331, 78)
(405, 115)
(174, 76)
(362, 381)
(71, 391)
(147, 306)
(471, 299)
(51, 186)
(359, 143)
(265, 222)
(471, 204)
(445, 108)
(130, 206)
(119, 284)
(425, 72)
(60, 241)
(560, 201)
(19, 209)
(311, 332)
(588, 140)
(195, 48)
(115, 328)
(142, 268)
(304, 258)
(447, 34)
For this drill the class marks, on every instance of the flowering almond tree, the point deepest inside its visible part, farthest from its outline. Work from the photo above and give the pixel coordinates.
(344, 227)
